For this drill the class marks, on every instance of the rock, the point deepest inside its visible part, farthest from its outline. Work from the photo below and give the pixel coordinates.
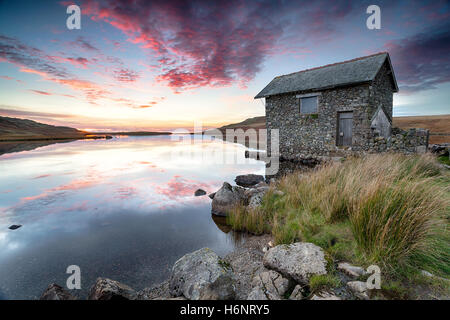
(202, 275)
(268, 285)
(107, 289)
(297, 293)
(256, 200)
(225, 198)
(56, 292)
(359, 289)
(246, 262)
(15, 226)
(211, 195)
(248, 193)
(279, 193)
(257, 294)
(325, 296)
(260, 184)
(248, 180)
(350, 270)
(439, 149)
(298, 261)
(254, 196)
(157, 292)
(199, 192)
(426, 273)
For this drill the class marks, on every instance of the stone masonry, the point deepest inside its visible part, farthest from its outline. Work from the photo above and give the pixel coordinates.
(309, 136)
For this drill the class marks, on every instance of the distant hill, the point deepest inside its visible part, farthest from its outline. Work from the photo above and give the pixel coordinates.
(254, 123)
(439, 126)
(14, 129)
(134, 133)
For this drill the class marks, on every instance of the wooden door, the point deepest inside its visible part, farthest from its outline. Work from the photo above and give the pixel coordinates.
(345, 124)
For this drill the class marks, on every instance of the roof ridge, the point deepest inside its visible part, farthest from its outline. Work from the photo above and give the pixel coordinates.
(334, 64)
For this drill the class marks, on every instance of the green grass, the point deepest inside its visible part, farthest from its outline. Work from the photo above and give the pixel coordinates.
(444, 160)
(323, 282)
(390, 210)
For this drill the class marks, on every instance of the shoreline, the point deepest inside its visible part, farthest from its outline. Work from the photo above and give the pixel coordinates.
(55, 139)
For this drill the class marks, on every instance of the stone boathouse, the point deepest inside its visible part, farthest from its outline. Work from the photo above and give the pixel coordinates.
(336, 110)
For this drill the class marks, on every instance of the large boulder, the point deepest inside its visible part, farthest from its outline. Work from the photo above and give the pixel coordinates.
(202, 275)
(248, 180)
(226, 198)
(268, 285)
(56, 292)
(298, 261)
(107, 289)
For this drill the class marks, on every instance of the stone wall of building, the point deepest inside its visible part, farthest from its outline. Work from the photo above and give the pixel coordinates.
(381, 92)
(312, 135)
(403, 141)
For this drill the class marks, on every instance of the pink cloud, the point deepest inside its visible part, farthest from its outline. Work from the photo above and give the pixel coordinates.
(213, 43)
(80, 61)
(179, 187)
(45, 93)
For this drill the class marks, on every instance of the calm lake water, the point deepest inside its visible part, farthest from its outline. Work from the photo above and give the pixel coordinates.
(122, 208)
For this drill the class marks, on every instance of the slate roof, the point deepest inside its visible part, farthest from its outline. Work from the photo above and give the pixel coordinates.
(356, 71)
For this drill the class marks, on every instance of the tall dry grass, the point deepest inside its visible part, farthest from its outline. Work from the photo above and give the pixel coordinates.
(389, 209)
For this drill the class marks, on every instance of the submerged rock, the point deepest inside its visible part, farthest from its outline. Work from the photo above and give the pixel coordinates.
(248, 180)
(268, 285)
(14, 226)
(298, 261)
(225, 198)
(199, 192)
(56, 292)
(202, 275)
(107, 289)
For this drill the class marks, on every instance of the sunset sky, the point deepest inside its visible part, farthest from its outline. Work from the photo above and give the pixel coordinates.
(160, 65)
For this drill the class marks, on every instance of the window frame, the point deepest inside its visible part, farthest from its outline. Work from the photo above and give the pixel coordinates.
(312, 95)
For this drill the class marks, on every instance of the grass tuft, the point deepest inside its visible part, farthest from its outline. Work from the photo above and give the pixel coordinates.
(321, 282)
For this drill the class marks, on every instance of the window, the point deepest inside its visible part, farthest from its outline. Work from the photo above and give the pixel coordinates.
(308, 105)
